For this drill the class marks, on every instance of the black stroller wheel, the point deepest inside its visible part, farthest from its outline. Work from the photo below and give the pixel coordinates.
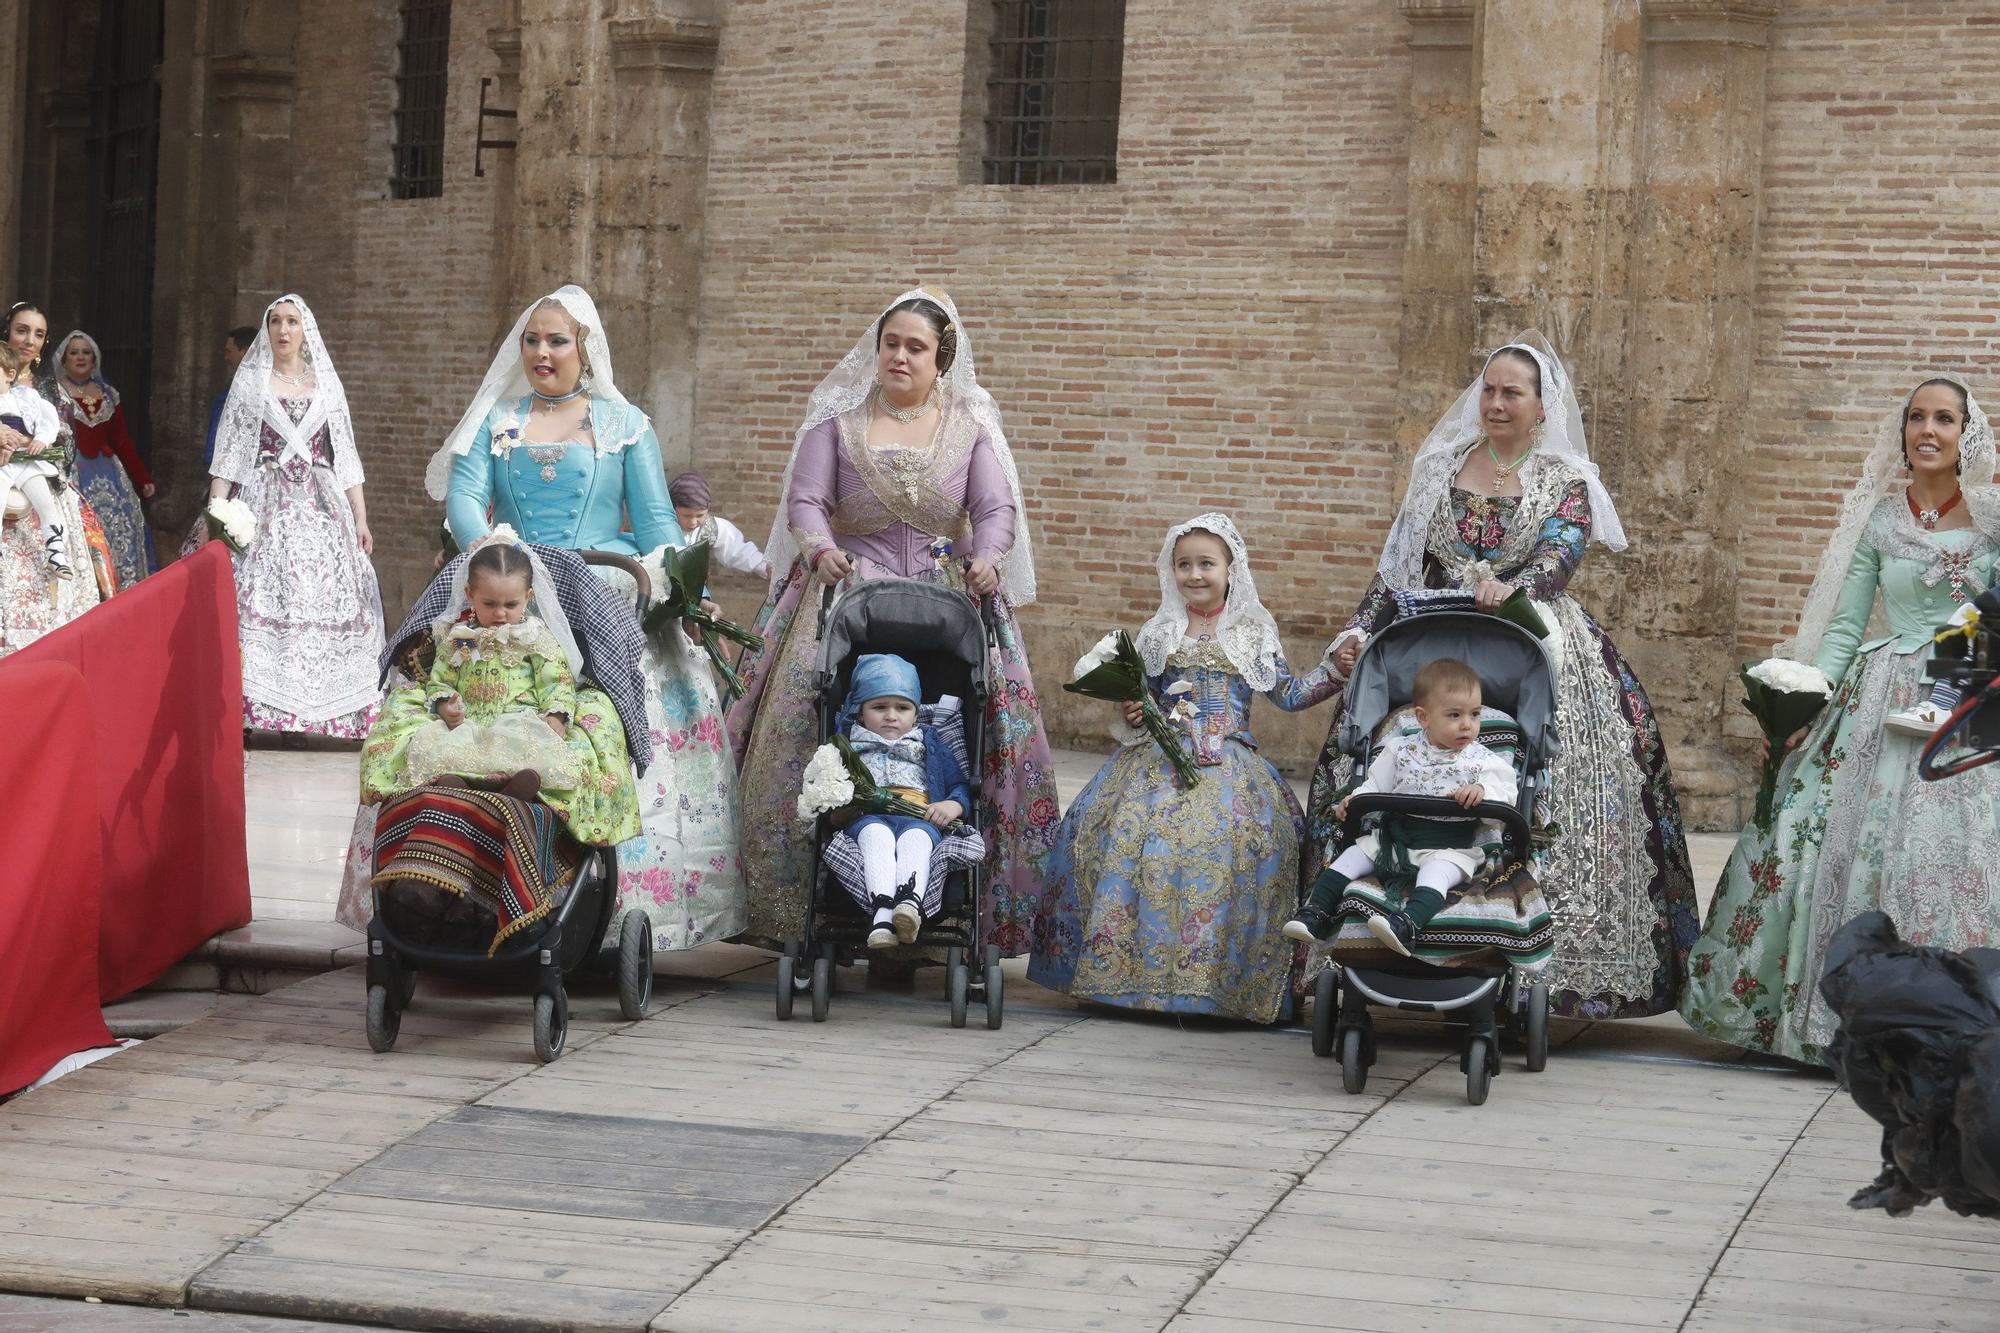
(1326, 1011)
(1537, 1027)
(958, 984)
(1353, 1069)
(994, 986)
(385, 1019)
(787, 983)
(822, 986)
(551, 1025)
(406, 986)
(1478, 1069)
(635, 965)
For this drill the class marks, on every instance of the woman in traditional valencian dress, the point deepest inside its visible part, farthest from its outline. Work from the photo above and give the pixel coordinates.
(900, 470)
(1503, 497)
(1168, 898)
(308, 609)
(109, 471)
(32, 603)
(551, 448)
(1854, 829)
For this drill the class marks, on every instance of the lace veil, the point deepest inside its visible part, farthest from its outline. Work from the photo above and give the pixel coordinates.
(1879, 478)
(251, 406)
(507, 382)
(1245, 629)
(543, 603)
(96, 370)
(847, 387)
(1444, 449)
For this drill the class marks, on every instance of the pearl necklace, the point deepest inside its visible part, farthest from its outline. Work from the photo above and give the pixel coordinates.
(296, 381)
(907, 414)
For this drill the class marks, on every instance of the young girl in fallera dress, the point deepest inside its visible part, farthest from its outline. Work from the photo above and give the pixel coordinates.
(1167, 898)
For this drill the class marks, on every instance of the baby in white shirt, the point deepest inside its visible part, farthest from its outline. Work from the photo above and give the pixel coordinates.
(26, 411)
(1430, 855)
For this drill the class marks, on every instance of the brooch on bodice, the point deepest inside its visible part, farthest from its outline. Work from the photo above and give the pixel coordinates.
(548, 455)
(1953, 565)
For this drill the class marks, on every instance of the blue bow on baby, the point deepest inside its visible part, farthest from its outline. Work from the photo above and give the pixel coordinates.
(878, 676)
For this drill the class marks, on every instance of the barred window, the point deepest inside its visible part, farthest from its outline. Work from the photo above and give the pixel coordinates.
(423, 58)
(1052, 92)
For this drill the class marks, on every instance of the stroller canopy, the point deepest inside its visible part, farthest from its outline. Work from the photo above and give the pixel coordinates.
(1515, 675)
(937, 628)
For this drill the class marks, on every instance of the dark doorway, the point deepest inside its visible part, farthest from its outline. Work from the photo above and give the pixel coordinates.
(124, 157)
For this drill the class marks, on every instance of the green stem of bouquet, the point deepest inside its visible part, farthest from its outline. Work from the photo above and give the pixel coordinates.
(730, 680)
(1158, 728)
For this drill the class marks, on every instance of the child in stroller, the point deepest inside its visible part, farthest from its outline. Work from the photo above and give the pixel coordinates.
(1424, 856)
(944, 641)
(912, 760)
(1480, 956)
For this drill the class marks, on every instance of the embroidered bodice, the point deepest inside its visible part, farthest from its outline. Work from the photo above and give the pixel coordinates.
(1201, 693)
(1534, 541)
(1923, 578)
(501, 669)
(893, 505)
(271, 445)
(897, 763)
(571, 494)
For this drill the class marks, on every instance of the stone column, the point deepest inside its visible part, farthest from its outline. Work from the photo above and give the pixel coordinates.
(652, 188)
(565, 68)
(13, 128)
(1694, 275)
(1438, 330)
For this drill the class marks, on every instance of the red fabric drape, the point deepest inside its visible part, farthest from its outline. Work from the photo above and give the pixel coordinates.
(165, 683)
(49, 889)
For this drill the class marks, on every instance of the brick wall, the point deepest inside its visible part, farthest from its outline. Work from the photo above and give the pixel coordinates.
(403, 289)
(1216, 330)
(1879, 249)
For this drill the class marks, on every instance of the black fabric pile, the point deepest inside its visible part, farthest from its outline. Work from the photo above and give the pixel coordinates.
(1919, 1049)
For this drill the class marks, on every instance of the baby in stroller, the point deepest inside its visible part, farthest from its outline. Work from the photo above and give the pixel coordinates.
(1426, 857)
(911, 760)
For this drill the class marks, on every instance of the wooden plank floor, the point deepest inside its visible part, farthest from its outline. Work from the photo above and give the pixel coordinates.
(711, 1169)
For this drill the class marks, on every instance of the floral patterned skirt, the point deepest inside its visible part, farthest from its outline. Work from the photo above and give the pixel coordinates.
(1853, 830)
(1172, 900)
(32, 602)
(1617, 875)
(110, 493)
(308, 609)
(773, 731)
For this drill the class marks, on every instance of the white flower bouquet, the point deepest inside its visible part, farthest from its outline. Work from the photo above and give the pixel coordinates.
(1783, 696)
(1113, 670)
(836, 777)
(232, 521)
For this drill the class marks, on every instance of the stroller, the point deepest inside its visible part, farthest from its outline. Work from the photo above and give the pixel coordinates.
(418, 926)
(938, 630)
(1480, 955)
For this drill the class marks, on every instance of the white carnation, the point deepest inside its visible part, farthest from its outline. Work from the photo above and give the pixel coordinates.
(826, 785)
(655, 565)
(238, 524)
(1101, 652)
(1788, 677)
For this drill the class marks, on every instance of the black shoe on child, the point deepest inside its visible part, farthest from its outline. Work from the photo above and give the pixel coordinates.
(1313, 925)
(1394, 930)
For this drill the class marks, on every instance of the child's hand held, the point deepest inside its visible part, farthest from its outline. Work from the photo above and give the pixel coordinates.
(1469, 795)
(944, 814)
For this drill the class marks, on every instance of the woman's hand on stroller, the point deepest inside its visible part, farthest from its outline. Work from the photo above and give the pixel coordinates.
(981, 578)
(831, 566)
(558, 724)
(943, 814)
(1340, 811)
(1488, 595)
(1345, 656)
(1469, 795)
(451, 712)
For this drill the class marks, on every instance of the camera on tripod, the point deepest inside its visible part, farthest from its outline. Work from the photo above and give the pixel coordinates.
(1968, 658)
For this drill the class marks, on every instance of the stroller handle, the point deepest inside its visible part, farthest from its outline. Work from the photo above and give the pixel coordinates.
(1442, 807)
(618, 560)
